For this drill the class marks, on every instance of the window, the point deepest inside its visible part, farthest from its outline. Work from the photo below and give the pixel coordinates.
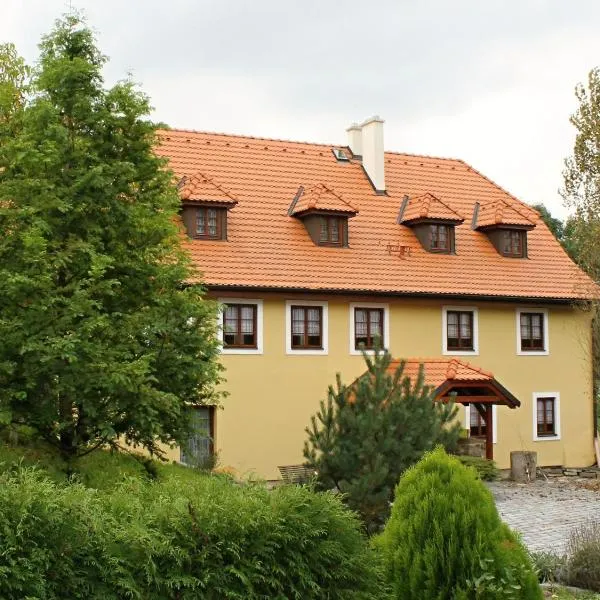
(241, 330)
(331, 231)
(439, 238)
(208, 223)
(513, 243)
(532, 331)
(199, 447)
(239, 326)
(459, 326)
(477, 423)
(546, 416)
(306, 327)
(368, 325)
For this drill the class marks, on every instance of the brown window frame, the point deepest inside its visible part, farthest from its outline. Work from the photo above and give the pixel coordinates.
(238, 334)
(305, 345)
(341, 225)
(435, 227)
(507, 240)
(547, 428)
(459, 347)
(530, 340)
(370, 345)
(480, 428)
(211, 433)
(220, 215)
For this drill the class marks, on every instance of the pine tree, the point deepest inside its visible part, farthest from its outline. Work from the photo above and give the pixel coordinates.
(101, 339)
(367, 434)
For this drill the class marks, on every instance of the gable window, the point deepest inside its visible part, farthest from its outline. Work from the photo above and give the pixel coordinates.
(239, 326)
(459, 330)
(198, 449)
(546, 416)
(368, 326)
(532, 332)
(331, 231)
(306, 327)
(513, 243)
(439, 238)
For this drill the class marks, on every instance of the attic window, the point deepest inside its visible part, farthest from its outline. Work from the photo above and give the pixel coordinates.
(440, 237)
(513, 243)
(339, 154)
(331, 230)
(205, 222)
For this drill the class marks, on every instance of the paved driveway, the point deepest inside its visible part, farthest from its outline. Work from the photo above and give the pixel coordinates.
(544, 512)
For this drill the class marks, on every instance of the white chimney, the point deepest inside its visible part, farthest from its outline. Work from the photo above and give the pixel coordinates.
(355, 139)
(372, 151)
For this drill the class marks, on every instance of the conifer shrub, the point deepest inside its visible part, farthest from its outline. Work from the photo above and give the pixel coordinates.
(485, 468)
(445, 540)
(196, 537)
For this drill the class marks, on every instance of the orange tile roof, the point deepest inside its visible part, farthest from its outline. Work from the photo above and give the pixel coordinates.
(199, 187)
(439, 370)
(267, 248)
(500, 212)
(321, 197)
(427, 206)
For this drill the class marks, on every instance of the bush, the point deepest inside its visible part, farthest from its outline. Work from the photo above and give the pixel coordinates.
(549, 567)
(197, 537)
(486, 469)
(583, 549)
(445, 540)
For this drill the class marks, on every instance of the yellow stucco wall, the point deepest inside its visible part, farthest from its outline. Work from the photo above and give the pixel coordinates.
(273, 395)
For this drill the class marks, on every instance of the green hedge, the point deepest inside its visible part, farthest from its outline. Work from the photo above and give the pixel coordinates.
(201, 537)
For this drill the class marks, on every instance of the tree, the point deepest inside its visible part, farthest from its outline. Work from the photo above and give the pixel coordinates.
(14, 81)
(367, 434)
(555, 225)
(446, 540)
(101, 337)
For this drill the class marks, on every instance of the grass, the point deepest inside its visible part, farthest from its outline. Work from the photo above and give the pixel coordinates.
(560, 593)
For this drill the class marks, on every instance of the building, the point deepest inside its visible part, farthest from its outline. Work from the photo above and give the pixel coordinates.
(315, 249)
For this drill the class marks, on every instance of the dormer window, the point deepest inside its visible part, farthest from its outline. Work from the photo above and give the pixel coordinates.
(440, 238)
(332, 230)
(209, 222)
(513, 243)
(324, 213)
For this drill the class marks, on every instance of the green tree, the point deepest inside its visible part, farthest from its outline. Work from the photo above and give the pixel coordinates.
(14, 84)
(101, 338)
(445, 540)
(555, 225)
(367, 434)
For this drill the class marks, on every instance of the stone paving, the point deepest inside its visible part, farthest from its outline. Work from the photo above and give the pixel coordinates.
(544, 512)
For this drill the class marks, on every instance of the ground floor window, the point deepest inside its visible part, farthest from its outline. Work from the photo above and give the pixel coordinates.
(478, 427)
(198, 450)
(546, 416)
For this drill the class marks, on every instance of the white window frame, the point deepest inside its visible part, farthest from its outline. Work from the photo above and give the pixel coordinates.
(475, 311)
(288, 328)
(547, 438)
(386, 324)
(494, 421)
(259, 326)
(546, 349)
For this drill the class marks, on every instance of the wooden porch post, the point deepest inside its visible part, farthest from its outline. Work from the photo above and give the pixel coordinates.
(489, 432)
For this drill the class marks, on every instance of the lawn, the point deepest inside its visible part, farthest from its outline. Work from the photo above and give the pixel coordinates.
(559, 593)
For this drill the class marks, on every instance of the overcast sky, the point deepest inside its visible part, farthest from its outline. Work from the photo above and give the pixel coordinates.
(490, 81)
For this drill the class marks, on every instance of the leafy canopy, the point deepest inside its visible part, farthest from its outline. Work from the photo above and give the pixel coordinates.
(367, 434)
(101, 338)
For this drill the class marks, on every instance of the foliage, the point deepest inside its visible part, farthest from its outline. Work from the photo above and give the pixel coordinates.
(583, 550)
(195, 536)
(486, 469)
(102, 338)
(14, 82)
(556, 226)
(367, 434)
(445, 539)
(550, 567)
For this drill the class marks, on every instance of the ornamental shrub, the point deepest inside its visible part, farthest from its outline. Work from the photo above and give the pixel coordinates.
(583, 550)
(195, 537)
(486, 469)
(445, 540)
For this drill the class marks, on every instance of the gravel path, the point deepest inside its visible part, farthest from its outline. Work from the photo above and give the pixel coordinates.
(544, 512)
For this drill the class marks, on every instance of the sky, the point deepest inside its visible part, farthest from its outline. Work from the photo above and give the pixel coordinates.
(491, 82)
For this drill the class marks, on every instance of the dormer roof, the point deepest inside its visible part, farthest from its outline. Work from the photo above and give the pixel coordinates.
(203, 188)
(424, 207)
(321, 198)
(500, 213)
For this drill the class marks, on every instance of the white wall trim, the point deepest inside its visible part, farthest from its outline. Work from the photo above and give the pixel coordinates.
(288, 327)
(494, 420)
(546, 349)
(259, 326)
(547, 438)
(475, 351)
(386, 324)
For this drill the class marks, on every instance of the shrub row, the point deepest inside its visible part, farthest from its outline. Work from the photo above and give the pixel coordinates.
(201, 537)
